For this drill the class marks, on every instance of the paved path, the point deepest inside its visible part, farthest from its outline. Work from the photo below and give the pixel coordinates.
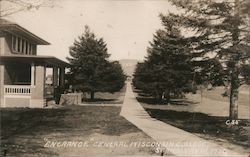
(176, 141)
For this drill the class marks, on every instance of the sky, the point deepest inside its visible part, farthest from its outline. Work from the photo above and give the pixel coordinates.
(126, 26)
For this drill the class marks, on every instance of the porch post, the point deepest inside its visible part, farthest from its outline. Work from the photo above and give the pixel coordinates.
(37, 91)
(32, 74)
(44, 81)
(55, 85)
(2, 86)
(61, 80)
(2, 69)
(55, 76)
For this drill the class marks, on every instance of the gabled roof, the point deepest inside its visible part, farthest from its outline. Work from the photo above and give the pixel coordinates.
(11, 27)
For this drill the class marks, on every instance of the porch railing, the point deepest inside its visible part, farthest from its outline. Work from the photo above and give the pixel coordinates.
(17, 89)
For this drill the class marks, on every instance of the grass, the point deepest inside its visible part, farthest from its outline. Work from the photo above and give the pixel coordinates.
(207, 125)
(153, 101)
(106, 98)
(23, 130)
(216, 94)
(184, 114)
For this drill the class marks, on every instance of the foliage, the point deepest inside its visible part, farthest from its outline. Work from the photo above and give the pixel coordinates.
(245, 72)
(220, 31)
(208, 72)
(91, 71)
(167, 70)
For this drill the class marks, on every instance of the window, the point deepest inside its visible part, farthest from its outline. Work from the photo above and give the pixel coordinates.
(14, 43)
(22, 76)
(18, 44)
(30, 49)
(21, 45)
(27, 48)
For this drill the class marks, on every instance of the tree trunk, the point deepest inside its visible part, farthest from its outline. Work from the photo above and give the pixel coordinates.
(92, 95)
(233, 105)
(234, 86)
(167, 97)
(233, 112)
(159, 97)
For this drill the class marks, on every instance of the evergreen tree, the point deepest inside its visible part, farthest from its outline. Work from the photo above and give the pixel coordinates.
(220, 32)
(167, 69)
(245, 72)
(140, 76)
(91, 70)
(111, 77)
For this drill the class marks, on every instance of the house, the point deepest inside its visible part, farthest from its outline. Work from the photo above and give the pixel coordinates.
(22, 71)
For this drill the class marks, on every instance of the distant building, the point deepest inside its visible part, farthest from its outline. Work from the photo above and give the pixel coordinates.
(128, 66)
(22, 71)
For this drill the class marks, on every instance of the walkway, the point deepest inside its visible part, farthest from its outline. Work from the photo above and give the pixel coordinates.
(176, 141)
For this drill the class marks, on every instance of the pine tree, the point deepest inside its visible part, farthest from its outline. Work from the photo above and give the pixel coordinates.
(111, 77)
(221, 32)
(167, 70)
(91, 70)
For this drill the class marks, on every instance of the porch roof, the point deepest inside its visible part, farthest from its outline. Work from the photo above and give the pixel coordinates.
(49, 61)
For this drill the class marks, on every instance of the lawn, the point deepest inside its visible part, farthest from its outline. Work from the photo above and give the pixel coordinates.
(216, 94)
(105, 97)
(213, 103)
(206, 117)
(25, 132)
(208, 127)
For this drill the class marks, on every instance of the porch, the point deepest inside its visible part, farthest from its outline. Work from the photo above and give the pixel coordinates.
(23, 81)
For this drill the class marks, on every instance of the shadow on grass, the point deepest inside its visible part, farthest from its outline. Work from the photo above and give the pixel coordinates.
(148, 99)
(106, 97)
(98, 100)
(153, 101)
(183, 102)
(17, 123)
(24, 120)
(27, 127)
(205, 124)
